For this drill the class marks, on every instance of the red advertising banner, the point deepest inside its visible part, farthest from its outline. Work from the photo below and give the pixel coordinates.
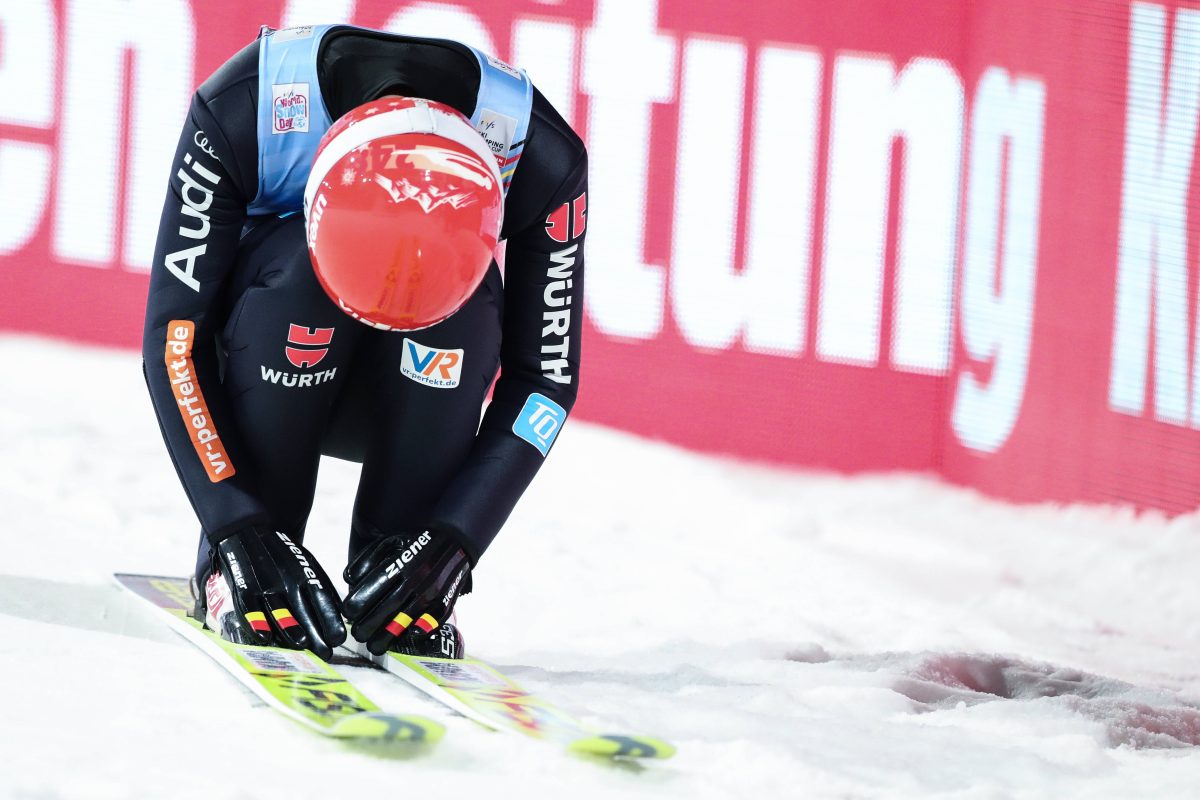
(955, 237)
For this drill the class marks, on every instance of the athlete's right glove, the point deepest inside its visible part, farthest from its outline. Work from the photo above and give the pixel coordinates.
(267, 590)
(404, 586)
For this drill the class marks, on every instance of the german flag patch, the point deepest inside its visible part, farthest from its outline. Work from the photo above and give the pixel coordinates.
(398, 625)
(284, 618)
(258, 621)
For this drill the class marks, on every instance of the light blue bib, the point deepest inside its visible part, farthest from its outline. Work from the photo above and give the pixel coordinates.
(292, 116)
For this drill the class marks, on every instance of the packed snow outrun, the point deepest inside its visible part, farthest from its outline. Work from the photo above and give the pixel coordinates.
(884, 635)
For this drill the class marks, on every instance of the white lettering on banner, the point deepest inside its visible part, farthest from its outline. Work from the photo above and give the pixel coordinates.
(316, 12)
(442, 21)
(160, 34)
(27, 44)
(998, 328)
(548, 49)
(871, 106)
(627, 67)
(704, 286)
(783, 174)
(1152, 270)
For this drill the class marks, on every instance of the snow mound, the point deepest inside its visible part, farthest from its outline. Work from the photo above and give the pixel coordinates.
(795, 634)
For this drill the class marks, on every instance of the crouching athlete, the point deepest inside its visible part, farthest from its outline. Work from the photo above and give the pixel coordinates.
(324, 283)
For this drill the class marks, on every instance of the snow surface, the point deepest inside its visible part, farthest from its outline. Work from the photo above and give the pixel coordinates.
(795, 634)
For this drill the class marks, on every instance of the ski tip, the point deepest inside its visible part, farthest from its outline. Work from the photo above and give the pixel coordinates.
(622, 746)
(377, 726)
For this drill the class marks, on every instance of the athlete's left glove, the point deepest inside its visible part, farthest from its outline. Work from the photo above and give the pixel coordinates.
(404, 583)
(266, 589)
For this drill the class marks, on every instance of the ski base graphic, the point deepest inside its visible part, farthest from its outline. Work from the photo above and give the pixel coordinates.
(296, 683)
(479, 691)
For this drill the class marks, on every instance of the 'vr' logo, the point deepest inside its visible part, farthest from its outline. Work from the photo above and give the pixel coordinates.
(309, 337)
(441, 369)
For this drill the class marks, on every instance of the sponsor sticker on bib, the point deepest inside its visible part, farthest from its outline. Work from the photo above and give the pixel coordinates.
(289, 34)
(289, 108)
(503, 67)
(497, 130)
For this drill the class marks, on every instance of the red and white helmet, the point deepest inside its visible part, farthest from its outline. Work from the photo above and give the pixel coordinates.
(403, 209)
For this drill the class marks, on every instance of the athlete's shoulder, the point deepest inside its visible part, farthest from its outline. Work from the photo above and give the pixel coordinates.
(240, 69)
(553, 168)
(555, 139)
(225, 109)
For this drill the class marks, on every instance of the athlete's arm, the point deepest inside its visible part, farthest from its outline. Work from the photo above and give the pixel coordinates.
(543, 305)
(201, 223)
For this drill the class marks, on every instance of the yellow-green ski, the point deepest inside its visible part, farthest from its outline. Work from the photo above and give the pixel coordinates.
(479, 691)
(296, 683)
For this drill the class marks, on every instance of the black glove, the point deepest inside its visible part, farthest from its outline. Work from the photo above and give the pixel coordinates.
(280, 595)
(407, 582)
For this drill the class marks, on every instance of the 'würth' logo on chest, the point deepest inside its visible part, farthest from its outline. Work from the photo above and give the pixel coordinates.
(311, 345)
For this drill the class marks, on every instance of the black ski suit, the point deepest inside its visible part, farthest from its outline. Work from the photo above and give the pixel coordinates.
(254, 372)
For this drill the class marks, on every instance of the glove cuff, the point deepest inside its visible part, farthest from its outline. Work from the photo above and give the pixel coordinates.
(223, 533)
(453, 535)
